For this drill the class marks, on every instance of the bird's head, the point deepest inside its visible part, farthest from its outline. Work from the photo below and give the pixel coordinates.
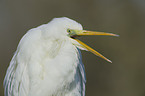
(68, 28)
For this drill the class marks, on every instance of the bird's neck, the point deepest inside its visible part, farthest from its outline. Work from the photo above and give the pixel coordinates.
(61, 60)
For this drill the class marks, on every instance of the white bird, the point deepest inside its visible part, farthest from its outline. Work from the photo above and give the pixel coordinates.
(48, 62)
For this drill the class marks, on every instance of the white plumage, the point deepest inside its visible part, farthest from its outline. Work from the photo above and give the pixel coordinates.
(48, 62)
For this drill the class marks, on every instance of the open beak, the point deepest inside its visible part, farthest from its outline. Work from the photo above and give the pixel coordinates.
(73, 32)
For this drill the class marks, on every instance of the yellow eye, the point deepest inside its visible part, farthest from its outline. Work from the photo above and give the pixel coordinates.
(68, 30)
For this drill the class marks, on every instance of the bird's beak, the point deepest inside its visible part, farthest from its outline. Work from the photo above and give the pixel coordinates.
(74, 33)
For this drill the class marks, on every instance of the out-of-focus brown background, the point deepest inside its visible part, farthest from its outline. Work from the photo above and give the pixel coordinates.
(124, 77)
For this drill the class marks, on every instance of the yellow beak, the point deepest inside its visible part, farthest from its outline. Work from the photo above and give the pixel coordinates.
(84, 32)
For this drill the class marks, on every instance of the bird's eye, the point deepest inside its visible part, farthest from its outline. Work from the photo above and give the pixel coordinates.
(68, 30)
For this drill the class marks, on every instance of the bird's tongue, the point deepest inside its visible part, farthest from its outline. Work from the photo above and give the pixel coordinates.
(92, 50)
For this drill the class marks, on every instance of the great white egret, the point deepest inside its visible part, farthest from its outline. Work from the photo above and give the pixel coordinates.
(48, 62)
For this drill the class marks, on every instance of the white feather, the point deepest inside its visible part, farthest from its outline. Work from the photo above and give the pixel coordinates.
(47, 63)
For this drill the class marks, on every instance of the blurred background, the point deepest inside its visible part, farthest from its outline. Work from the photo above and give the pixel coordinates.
(124, 77)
